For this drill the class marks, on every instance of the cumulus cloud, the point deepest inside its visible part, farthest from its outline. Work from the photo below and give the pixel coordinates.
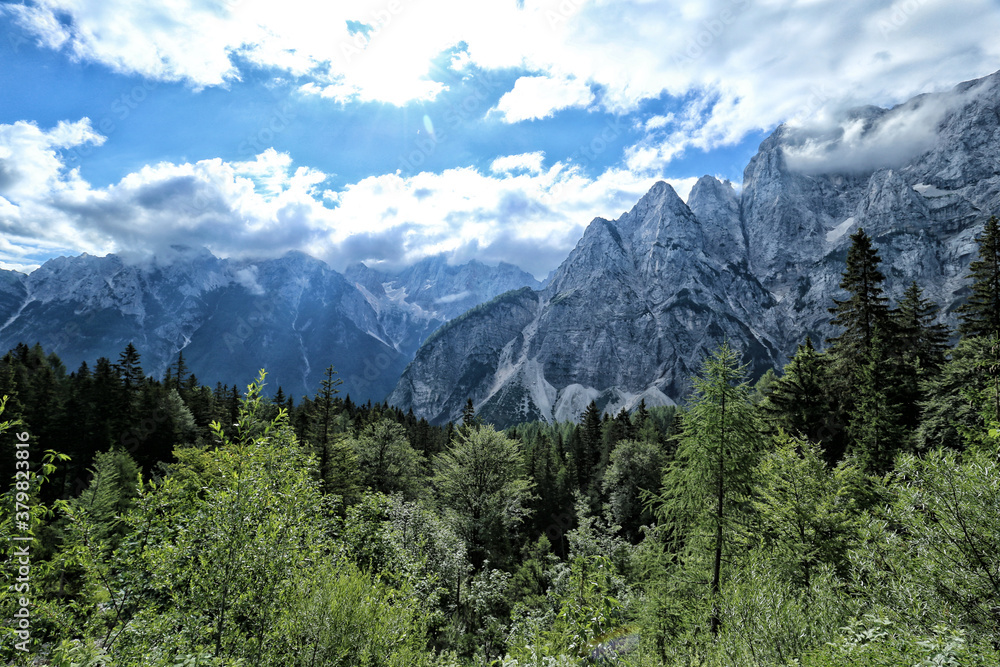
(742, 65)
(518, 211)
(535, 97)
(529, 162)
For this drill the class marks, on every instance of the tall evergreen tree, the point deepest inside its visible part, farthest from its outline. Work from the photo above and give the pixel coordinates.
(875, 426)
(922, 339)
(180, 372)
(321, 432)
(866, 308)
(922, 344)
(590, 444)
(981, 313)
(469, 414)
(801, 402)
(128, 368)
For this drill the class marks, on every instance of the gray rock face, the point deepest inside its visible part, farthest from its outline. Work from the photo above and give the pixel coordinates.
(12, 291)
(640, 300)
(415, 301)
(293, 316)
(626, 318)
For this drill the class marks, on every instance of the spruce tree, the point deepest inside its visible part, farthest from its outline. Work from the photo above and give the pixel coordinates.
(981, 313)
(875, 426)
(866, 308)
(591, 439)
(922, 339)
(130, 375)
(801, 403)
(469, 414)
(128, 368)
(922, 345)
(322, 422)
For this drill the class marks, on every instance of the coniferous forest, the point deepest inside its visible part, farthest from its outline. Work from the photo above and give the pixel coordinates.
(844, 510)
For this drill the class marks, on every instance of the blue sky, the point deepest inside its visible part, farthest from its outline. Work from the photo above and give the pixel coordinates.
(388, 130)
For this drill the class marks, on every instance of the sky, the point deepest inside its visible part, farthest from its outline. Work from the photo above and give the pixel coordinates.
(390, 130)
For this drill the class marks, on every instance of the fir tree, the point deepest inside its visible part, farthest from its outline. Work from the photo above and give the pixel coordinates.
(866, 308)
(801, 403)
(981, 313)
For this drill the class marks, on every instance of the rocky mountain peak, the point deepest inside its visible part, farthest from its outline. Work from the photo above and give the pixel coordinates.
(717, 207)
(641, 299)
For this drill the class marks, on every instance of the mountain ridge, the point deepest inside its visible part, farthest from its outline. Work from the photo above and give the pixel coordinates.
(292, 315)
(631, 311)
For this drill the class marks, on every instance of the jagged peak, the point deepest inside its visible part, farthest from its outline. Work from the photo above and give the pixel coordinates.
(710, 186)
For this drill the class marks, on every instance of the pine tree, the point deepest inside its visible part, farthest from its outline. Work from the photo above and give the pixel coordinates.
(866, 308)
(981, 313)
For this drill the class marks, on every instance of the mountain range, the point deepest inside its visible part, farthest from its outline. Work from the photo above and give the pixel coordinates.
(630, 314)
(293, 315)
(627, 317)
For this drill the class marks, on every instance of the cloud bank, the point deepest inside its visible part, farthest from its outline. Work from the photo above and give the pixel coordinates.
(519, 211)
(738, 65)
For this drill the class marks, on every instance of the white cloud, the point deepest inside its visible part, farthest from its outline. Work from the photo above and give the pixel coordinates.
(529, 162)
(535, 97)
(744, 65)
(518, 211)
(856, 143)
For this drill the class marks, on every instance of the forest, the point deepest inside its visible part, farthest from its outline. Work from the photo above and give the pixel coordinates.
(843, 511)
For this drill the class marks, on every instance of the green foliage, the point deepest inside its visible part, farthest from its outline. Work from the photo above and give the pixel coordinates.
(875, 426)
(386, 461)
(807, 513)
(635, 469)
(342, 618)
(930, 554)
(981, 313)
(215, 546)
(876, 641)
(706, 503)
(407, 545)
(866, 308)
(802, 402)
(480, 477)
(952, 413)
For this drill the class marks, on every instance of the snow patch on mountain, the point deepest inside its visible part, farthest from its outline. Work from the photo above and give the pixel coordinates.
(837, 232)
